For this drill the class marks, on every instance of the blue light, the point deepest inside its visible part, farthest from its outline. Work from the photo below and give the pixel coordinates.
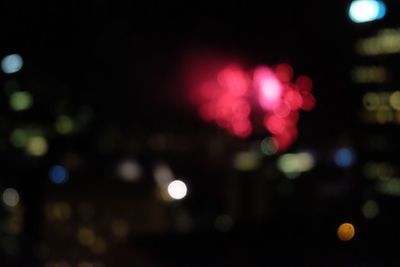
(366, 10)
(58, 174)
(11, 63)
(344, 157)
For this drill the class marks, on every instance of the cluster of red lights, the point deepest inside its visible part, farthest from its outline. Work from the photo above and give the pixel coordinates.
(235, 95)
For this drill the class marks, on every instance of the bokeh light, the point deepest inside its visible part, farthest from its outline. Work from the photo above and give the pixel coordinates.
(346, 231)
(293, 163)
(19, 137)
(120, 228)
(10, 197)
(64, 124)
(237, 98)
(370, 209)
(86, 236)
(344, 157)
(58, 211)
(163, 174)
(177, 189)
(366, 10)
(268, 146)
(246, 161)
(269, 88)
(58, 174)
(12, 63)
(129, 170)
(21, 101)
(36, 146)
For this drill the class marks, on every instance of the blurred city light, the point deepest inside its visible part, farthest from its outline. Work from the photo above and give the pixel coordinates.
(64, 124)
(177, 189)
(386, 41)
(369, 74)
(21, 101)
(361, 11)
(344, 157)
(129, 171)
(295, 163)
(86, 236)
(269, 88)
(58, 174)
(232, 99)
(58, 211)
(36, 146)
(19, 137)
(10, 197)
(11, 63)
(162, 174)
(370, 209)
(394, 100)
(246, 161)
(389, 186)
(346, 231)
(268, 146)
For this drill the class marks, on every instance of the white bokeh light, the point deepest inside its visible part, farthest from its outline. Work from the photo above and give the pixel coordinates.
(10, 197)
(177, 189)
(129, 170)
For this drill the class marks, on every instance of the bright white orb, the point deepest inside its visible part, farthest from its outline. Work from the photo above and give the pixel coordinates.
(177, 189)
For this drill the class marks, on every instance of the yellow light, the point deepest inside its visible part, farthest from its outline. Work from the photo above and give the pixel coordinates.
(58, 211)
(21, 101)
(36, 146)
(295, 163)
(246, 161)
(86, 236)
(371, 101)
(64, 124)
(369, 74)
(346, 231)
(384, 115)
(394, 100)
(386, 41)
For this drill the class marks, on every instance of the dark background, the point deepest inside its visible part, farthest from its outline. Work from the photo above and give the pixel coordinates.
(123, 64)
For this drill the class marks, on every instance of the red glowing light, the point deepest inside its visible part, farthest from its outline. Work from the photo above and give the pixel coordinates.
(308, 101)
(284, 72)
(293, 99)
(269, 88)
(234, 79)
(225, 100)
(274, 124)
(242, 128)
(304, 83)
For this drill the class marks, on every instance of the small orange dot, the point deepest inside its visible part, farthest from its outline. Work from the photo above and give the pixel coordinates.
(346, 231)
